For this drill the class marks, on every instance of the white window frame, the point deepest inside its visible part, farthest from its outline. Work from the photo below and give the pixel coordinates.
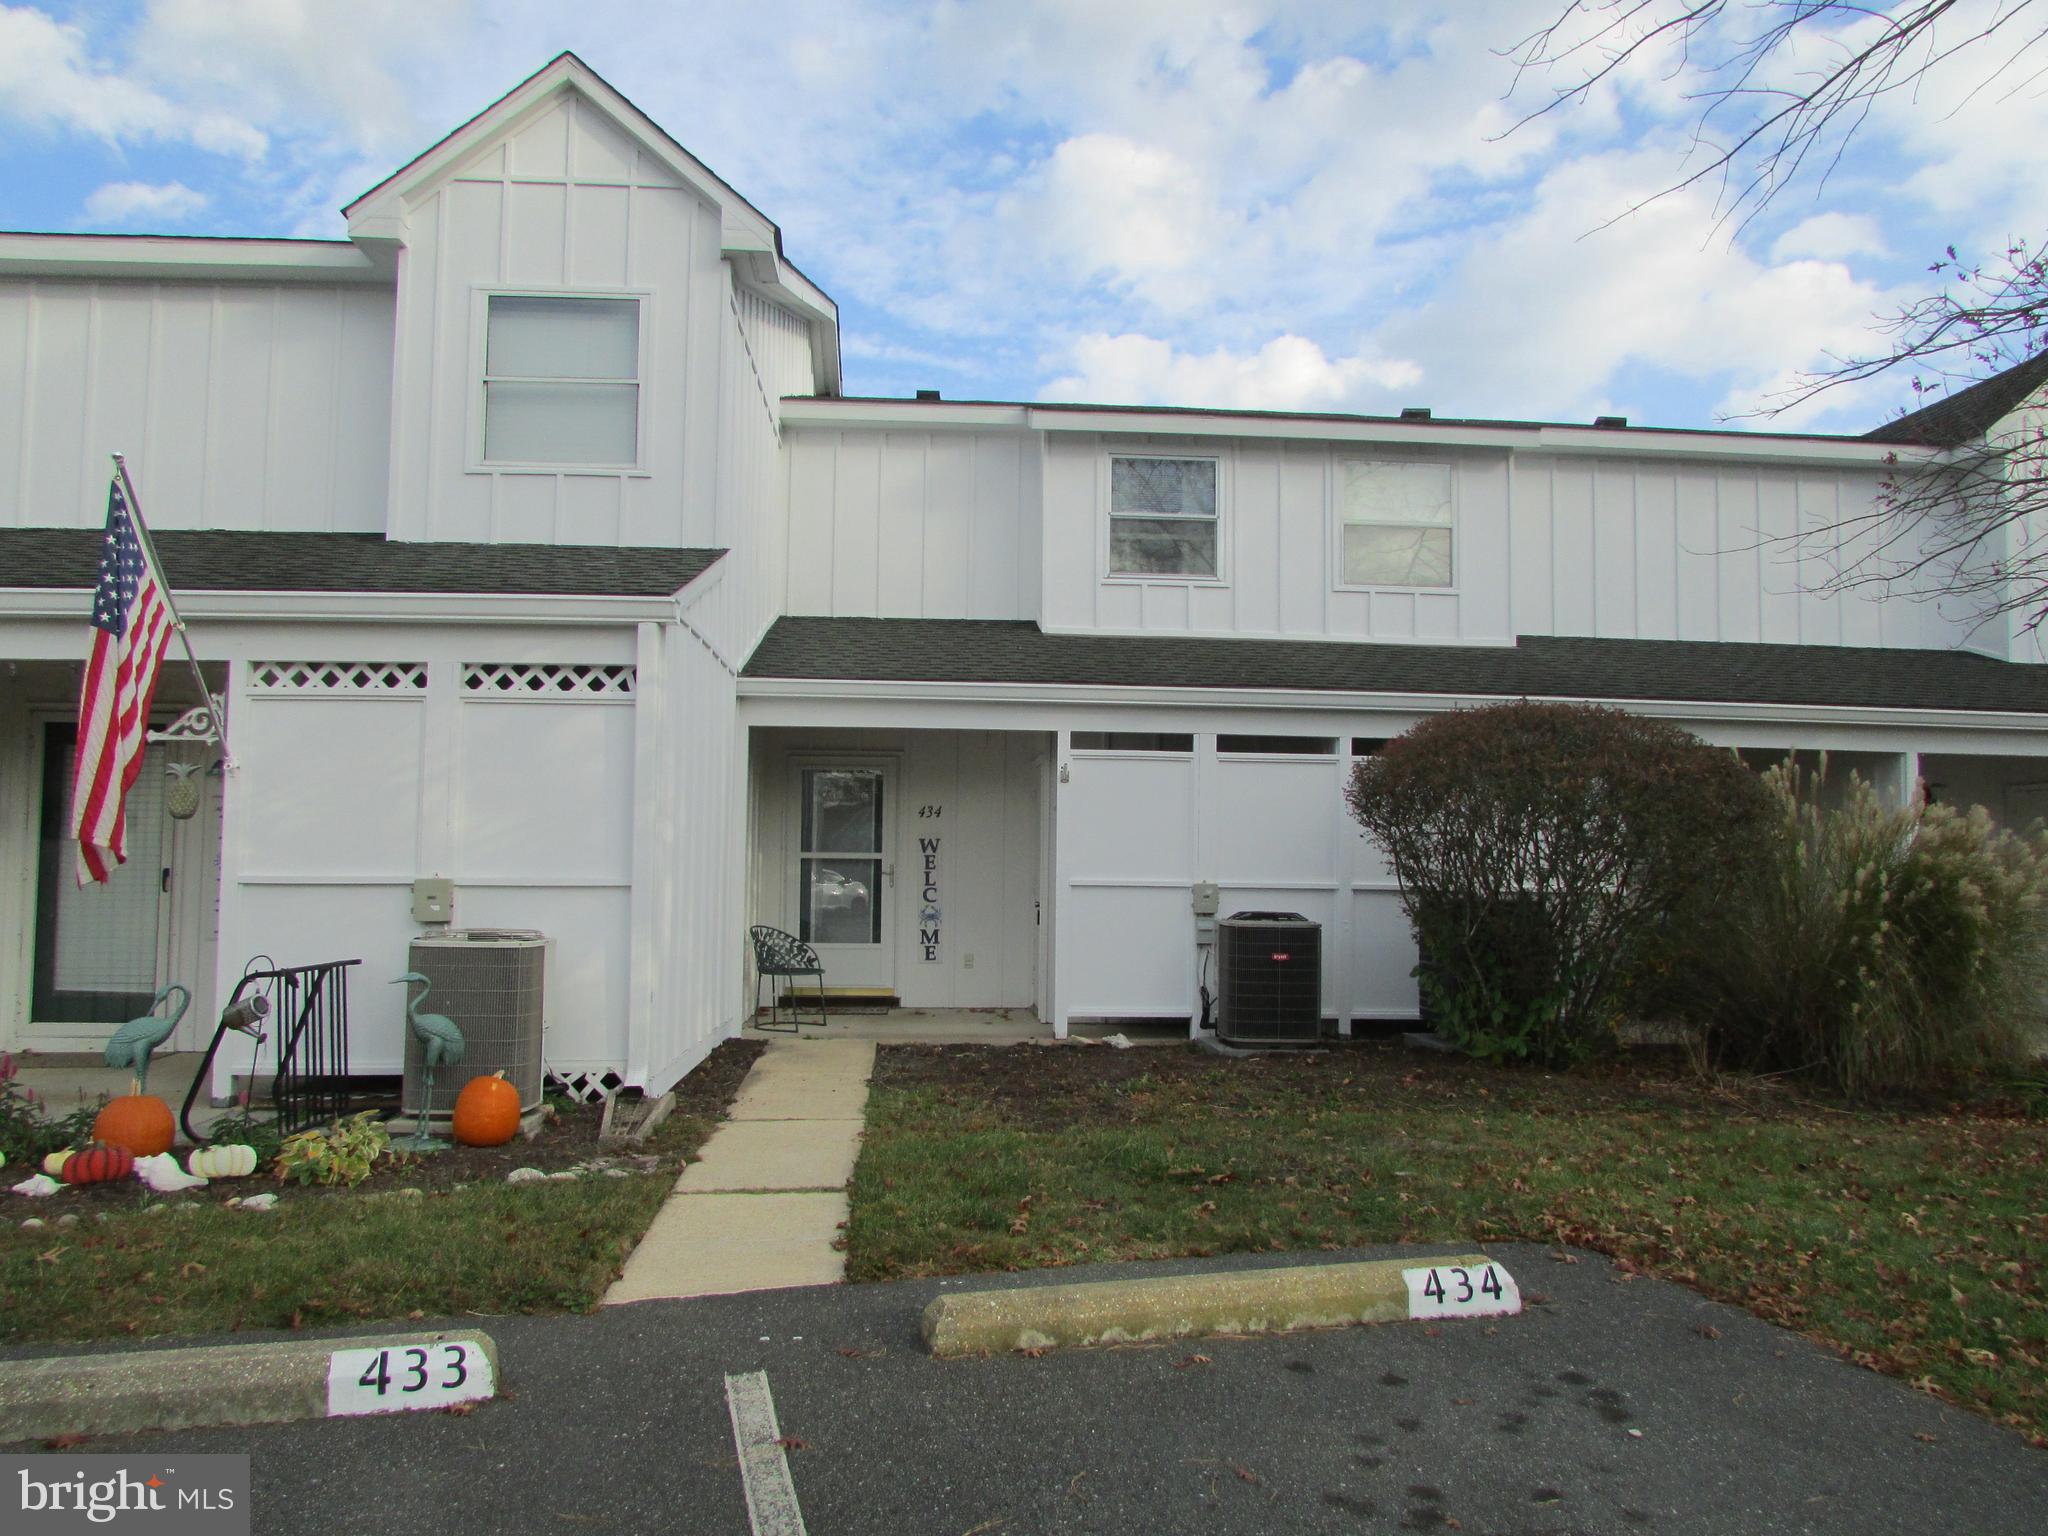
(1220, 463)
(479, 347)
(1338, 525)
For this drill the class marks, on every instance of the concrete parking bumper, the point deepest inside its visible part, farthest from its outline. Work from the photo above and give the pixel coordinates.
(119, 1393)
(1177, 1306)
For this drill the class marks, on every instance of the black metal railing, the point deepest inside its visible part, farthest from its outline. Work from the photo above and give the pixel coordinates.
(307, 1023)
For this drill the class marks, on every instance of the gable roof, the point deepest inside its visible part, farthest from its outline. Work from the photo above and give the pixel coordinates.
(1535, 666)
(565, 71)
(748, 236)
(1968, 414)
(233, 560)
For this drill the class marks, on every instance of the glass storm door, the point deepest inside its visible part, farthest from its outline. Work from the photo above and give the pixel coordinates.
(98, 950)
(845, 873)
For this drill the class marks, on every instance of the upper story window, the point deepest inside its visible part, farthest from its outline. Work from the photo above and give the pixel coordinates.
(1162, 517)
(1395, 524)
(561, 380)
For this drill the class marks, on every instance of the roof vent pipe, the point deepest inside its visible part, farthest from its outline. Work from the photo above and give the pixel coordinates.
(1610, 421)
(1415, 413)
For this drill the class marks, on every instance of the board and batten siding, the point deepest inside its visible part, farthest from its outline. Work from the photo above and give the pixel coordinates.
(1698, 552)
(1543, 544)
(238, 405)
(1275, 544)
(689, 855)
(565, 202)
(904, 524)
(767, 355)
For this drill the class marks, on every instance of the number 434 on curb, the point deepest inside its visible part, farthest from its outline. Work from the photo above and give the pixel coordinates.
(1461, 1290)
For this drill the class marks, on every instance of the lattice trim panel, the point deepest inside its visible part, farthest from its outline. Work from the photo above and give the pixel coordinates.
(584, 1087)
(331, 677)
(542, 680)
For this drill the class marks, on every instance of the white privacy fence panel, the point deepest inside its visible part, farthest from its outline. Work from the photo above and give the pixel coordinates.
(1269, 828)
(501, 760)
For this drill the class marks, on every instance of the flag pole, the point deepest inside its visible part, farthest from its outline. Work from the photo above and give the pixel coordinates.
(148, 544)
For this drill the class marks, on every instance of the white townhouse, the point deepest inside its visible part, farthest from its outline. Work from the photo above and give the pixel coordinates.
(530, 547)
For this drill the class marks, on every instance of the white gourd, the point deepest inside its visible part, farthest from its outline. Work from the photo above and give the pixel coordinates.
(54, 1163)
(229, 1162)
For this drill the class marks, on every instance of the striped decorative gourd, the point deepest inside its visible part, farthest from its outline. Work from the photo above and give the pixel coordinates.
(96, 1164)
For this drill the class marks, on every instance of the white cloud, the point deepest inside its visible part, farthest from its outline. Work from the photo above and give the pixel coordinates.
(48, 80)
(1539, 311)
(1830, 237)
(125, 202)
(1287, 373)
(1266, 201)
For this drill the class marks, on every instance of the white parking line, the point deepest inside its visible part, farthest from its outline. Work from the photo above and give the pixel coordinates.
(764, 1466)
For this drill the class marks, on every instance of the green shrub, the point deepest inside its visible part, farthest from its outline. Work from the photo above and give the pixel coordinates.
(343, 1153)
(1874, 947)
(1542, 850)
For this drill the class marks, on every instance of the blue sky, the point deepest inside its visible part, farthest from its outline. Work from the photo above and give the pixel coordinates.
(1257, 204)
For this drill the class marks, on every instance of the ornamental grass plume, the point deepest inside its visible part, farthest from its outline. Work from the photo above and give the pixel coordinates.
(1877, 948)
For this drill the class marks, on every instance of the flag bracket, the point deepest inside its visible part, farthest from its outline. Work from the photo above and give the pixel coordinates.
(196, 724)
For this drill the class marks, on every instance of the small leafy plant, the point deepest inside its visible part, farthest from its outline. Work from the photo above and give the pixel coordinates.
(27, 1129)
(343, 1153)
(245, 1129)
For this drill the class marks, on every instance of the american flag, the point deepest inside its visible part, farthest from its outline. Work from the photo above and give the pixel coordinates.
(131, 628)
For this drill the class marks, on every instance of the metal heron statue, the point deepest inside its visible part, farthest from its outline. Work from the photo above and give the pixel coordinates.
(440, 1041)
(134, 1041)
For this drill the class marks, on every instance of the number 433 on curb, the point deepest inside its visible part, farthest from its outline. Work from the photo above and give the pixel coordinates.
(404, 1376)
(1461, 1290)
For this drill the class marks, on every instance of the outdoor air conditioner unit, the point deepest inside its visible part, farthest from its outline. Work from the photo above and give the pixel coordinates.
(1269, 979)
(493, 983)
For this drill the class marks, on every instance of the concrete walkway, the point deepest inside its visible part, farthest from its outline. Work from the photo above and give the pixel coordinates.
(765, 1202)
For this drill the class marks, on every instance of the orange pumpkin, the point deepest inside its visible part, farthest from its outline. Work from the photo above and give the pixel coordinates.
(141, 1122)
(486, 1111)
(96, 1164)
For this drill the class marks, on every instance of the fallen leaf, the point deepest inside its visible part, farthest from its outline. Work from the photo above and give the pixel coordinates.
(1923, 1437)
(793, 1442)
(1244, 1474)
(63, 1442)
(1706, 1330)
(1181, 1365)
(1032, 1353)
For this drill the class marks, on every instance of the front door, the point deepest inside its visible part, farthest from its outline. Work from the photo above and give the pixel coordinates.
(846, 870)
(99, 950)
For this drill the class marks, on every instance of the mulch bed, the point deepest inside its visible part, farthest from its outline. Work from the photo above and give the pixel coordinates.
(567, 1139)
(1045, 1087)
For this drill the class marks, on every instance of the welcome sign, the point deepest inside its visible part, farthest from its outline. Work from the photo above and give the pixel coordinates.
(928, 915)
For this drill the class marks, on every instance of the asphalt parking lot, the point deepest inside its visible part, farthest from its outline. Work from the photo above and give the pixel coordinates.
(1611, 1405)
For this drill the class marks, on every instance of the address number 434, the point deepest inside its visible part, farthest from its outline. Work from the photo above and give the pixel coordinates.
(1461, 1290)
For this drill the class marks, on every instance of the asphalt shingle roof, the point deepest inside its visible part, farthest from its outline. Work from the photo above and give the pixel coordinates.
(250, 561)
(1969, 413)
(1007, 651)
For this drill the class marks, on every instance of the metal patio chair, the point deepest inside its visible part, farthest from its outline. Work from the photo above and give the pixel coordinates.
(783, 956)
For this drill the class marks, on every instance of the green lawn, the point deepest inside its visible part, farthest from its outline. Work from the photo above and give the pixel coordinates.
(1916, 1242)
(190, 1264)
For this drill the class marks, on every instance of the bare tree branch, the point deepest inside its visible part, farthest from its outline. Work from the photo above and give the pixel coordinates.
(1779, 89)
(1767, 117)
